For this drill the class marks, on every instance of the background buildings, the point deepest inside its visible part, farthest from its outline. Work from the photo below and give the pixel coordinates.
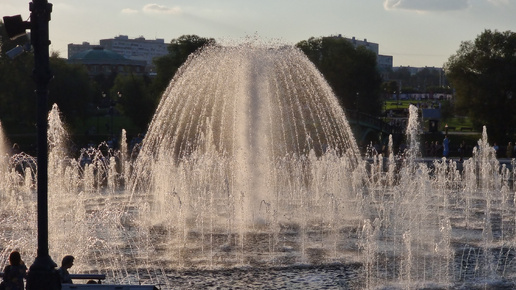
(137, 49)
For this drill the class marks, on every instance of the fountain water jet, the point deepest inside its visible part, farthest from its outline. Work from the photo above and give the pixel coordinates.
(235, 142)
(249, 166)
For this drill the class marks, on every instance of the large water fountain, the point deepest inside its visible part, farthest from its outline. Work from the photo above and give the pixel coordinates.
(249, 176)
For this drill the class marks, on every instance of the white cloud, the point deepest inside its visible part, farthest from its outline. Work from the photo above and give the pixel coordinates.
(160, 9)
(426, 5)
(129, 11)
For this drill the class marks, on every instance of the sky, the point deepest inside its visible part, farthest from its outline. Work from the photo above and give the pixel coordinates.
(416, 33)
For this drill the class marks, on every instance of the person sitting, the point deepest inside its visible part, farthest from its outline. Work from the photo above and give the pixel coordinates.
(66, 264)
(15, 272)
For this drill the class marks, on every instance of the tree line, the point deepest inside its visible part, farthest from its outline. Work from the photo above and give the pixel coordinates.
(481, 72)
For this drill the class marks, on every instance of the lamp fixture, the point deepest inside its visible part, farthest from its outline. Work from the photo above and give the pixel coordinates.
(15, 26)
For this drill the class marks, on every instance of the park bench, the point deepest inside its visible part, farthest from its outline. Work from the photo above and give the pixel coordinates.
(97, 277)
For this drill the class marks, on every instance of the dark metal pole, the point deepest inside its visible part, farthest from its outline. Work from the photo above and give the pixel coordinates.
(42, 272)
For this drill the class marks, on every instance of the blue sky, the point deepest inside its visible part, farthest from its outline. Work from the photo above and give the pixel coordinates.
(415, 32)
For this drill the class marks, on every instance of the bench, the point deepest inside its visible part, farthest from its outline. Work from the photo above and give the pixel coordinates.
(466, 129)
(97, 277)
(107, 287)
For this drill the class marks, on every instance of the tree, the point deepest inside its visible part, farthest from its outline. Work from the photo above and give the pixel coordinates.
(403, 76)
(71, 89)
(389, 89)
(17, 98)
(178, 52)
(483, 73)
(136, 102)
(351, 72)
(425, 80)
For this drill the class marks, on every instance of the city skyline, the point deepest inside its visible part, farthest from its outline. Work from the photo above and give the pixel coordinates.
(415, 32)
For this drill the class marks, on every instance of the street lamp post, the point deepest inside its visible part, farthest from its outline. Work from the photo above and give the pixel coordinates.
(42, 271)
(42, 274)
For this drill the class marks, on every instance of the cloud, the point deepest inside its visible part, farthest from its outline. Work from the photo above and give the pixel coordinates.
(426, 5)
(160, 9)
(129, 11)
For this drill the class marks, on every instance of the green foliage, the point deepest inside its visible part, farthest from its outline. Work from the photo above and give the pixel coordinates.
(80, 98)
(179, 51)
(483, 73)
(390, 88)
(447, 109)
(426, 80)
(135, 102)
(456, 122)
(403, 75)
(17, 98)
(352, 73)
(71, 90)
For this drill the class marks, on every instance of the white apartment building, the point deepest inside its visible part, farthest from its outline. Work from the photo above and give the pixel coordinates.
(374, 47)
(137, 48)
(134, 49)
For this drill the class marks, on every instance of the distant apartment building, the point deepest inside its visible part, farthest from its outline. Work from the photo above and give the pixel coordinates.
(384, 62)
(139, 49)
(374, 47)
(76, 48)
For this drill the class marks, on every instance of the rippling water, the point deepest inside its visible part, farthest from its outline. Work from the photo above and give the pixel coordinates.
(300, 277)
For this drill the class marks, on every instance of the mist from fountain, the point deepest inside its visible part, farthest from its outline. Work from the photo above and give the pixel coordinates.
(249, 163)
